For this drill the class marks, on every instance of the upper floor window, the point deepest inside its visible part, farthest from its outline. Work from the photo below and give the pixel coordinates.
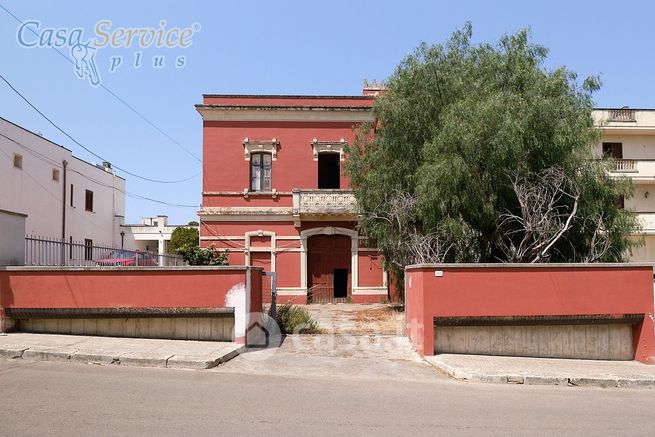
(260, 171)
(88, 200)
(18, 160)
(55, 174)
(613, 150)
(329, 170)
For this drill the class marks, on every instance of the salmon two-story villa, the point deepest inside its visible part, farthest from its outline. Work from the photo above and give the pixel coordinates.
(274, 193)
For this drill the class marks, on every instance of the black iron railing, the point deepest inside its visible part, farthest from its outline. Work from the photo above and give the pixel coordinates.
(47, 251)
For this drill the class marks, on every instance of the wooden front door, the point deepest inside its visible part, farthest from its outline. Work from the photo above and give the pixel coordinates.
(328, 268)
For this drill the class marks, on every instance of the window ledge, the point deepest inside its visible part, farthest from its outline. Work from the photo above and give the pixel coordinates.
(247, 193)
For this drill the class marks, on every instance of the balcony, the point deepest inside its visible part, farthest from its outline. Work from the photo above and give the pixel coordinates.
(625, 121)
(625, 166)
(624, 115)
(647, 221)
(317, 204)
(641, 171)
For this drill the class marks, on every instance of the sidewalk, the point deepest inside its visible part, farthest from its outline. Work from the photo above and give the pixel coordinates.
(517, 370)
(141, 352)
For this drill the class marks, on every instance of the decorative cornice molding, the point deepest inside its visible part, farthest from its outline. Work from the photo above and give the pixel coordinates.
(329, 146)
(245, 210)
(248, 193)
(350, 114)
(265, 146)
(209, 214)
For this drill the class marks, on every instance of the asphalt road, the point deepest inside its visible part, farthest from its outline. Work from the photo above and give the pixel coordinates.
(41, 398)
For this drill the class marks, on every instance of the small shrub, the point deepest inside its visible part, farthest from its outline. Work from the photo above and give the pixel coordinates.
(293, 319)
(197, 256)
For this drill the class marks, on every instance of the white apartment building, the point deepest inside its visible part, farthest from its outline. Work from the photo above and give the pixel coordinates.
(62, 195)
(152, 234)
(628, 135)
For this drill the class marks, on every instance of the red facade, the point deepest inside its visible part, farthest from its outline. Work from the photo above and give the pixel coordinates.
(581, 292)
(274, 193)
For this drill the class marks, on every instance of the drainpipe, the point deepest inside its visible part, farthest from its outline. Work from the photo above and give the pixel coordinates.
(63, 205)
(63, 214)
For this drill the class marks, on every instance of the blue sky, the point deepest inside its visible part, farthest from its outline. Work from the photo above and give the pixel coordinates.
(287, 47)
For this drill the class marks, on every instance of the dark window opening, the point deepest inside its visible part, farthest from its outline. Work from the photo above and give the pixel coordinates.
(72, 203)
(613, 150)
(88, 249)
(329, 170)
(620, 202)
(88, 200)
(260, 171)
(70, 247)
(340, 283)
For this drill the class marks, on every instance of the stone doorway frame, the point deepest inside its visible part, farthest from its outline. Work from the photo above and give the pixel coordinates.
(330, 230)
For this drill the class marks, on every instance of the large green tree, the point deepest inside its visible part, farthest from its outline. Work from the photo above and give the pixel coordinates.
(183, 236)
(481, 154)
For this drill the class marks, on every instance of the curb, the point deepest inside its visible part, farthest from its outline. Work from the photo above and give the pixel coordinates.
(603, 382)
(127, 360)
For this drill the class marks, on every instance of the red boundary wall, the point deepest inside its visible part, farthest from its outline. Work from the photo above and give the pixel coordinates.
(468, 290)
(134, 287)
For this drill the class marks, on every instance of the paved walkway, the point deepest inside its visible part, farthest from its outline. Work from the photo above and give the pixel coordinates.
(344, 318)
(337, 357)
(516, 370)
(117, 351)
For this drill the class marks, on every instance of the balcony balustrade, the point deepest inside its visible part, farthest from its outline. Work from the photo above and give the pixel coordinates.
(325, 204)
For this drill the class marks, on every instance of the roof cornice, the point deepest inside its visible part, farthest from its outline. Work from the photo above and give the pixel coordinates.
(219, 112)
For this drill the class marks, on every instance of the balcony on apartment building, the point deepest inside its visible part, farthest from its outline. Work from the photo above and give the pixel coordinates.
(641, 171)
(628, 130)
(625, 120)
(647, 220)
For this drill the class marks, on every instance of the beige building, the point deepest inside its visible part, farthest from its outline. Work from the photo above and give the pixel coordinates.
(60, 195)
(629, 136)
(152, 234)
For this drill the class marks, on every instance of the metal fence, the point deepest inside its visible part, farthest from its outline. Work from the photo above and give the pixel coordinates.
(45, 251)
(324, 294)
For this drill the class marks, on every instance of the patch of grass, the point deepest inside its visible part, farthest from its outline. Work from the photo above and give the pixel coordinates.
(293, 319)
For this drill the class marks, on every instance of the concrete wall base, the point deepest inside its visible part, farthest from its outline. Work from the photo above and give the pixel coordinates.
(7, 324)
(177, 328)
(592, 342)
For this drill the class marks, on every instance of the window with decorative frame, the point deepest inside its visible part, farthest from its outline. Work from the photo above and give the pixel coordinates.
(260, 171)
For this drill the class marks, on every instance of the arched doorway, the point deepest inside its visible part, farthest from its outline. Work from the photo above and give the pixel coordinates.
(328, 268)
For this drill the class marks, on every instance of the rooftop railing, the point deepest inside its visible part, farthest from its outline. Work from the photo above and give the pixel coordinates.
(622, 115)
